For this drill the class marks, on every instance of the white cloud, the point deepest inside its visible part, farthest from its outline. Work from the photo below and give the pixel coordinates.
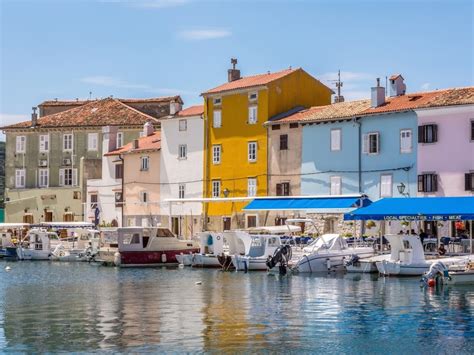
(425, 86)
(155, 4)
(109, 81)
(203, 34)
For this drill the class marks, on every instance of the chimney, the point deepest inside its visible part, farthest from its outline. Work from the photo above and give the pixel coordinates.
(378, 95)
(172, 107)
(397, 86)
(233, 74)
(148, 129)
(34, 117)
(135, 144)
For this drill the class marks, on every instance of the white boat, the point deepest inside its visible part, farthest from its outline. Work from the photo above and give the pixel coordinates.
(329, 252)
(212, 246)
(365, 265)
(82, 245)
(108, 246)
(407, 257)
(37, 245)
(461, 273)
(251, 251)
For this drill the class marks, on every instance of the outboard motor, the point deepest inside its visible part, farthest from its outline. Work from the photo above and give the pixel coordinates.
(281, 256)
(436, 274)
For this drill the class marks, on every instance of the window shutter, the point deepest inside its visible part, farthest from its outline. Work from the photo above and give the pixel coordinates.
(435, 133)
(420, 183)
(279, 190)
(61, 177)
(421, 135)
(467, 181)
(434, 182)
(365, 146)
(377, 137)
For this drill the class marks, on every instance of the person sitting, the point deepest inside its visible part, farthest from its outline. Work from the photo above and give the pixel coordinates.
(423, 235)
(442, 250)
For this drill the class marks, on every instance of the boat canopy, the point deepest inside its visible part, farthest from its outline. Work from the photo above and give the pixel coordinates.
(311, 204)
(417, 208)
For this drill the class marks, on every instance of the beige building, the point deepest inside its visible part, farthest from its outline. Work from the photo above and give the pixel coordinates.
(141, 179)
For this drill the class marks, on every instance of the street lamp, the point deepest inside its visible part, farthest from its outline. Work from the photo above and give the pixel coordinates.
(226, 192)
(401, 189)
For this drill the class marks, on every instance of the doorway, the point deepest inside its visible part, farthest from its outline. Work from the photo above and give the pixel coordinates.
(175, 225)
(226, 222)
(48, 216)
(430, 228)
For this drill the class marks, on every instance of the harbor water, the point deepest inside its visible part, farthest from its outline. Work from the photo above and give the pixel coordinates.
(78, 307)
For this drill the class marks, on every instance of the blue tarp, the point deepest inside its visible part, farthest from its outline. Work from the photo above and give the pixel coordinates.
(309, 204)
(417, 208)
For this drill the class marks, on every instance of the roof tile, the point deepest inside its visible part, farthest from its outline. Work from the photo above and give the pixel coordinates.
(151, 142)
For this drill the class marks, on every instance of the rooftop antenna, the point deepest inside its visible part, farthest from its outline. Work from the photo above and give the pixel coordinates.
(339, 85)
(233, 62)
(90, 95)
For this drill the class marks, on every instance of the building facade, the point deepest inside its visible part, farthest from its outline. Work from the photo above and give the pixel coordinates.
(181, 170)
(49, 159)
(236, 144)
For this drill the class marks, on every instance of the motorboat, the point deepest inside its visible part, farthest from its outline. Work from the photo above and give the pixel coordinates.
(364, 265)
(461, 273)
(212, 246)
(328, 252)
(407, 257)
(251, 251)
(37, 245)
(150, 246)
(10, 235)
(108, 246)
(81, 245)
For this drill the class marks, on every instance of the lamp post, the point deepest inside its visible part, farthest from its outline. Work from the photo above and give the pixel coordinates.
(401, 190)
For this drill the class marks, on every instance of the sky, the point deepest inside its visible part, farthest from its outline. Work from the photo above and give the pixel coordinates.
(146, 48)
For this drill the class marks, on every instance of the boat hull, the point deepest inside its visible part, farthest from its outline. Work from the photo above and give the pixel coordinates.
(148, 258)
(206, 261)
(28, 254)
(328, 262)
(395, 268)
(460, 278)
(245, 263)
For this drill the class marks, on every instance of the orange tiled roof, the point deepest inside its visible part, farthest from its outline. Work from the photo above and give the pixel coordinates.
(151, 142)
(408, 102)
(106, 112)
(196, 110)
(83, 102)
(250, 81)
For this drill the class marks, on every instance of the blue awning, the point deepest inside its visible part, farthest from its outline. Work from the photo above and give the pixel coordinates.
(339, 204)
(417, 208)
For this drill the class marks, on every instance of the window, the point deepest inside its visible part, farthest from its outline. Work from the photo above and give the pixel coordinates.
(469, 181)
(43, 177)
(335, 185)
(20, 178)
(94, 200)
(144, 163)
(67, 177)
(93, 142)
(428, 182)
(252, 151)
(335, 140)
(181, 190)
(252, 115)
(216, 188)
(405, 141)
(183, 151)
(253, 96)
(371, 143)
(385, 185)
(119, 171)
(294, 125)
(118, 199)
(284, 142)
(44, 143)
(251, 221)
(217, 101)
(143, 196)
(68, 142)
(21, 144)
(119, 139)
(472, 130)
(183, 125)
(217, 119)
(252, 187)
(428, 133)
(283, 189)
(216, 154)
(276, 127)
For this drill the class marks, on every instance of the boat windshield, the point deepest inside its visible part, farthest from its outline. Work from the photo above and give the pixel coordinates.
(164, 233)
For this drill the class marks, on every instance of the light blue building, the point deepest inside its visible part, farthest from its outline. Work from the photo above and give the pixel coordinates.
(366, 146)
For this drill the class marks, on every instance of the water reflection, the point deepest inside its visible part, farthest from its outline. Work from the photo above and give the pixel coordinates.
(46, 307)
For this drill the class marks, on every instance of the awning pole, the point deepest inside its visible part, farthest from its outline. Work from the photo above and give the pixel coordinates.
(470, 235)
(437, 236)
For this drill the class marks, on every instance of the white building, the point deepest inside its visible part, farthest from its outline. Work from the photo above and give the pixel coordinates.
(104, 196)
(181, 169)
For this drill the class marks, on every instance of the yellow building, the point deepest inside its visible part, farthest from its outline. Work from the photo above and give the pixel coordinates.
(235, 159)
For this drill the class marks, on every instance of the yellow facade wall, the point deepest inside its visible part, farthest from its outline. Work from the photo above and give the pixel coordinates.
(295, 89)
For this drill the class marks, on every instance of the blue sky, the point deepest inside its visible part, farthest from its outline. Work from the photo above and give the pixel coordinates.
(144, 48)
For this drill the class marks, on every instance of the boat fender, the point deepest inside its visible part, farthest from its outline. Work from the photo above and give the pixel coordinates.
(117, 259)
(431, 283)
(163, 258)
(8, 268)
